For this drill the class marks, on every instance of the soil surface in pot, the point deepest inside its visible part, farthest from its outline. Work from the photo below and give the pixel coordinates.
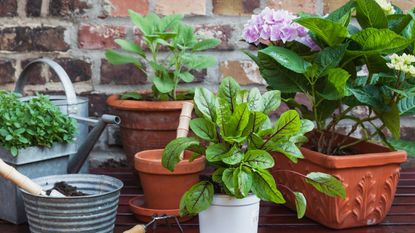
(180, 95)
(66, 189)
(112, 163)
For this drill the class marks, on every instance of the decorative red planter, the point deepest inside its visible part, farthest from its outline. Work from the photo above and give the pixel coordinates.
(370, 179)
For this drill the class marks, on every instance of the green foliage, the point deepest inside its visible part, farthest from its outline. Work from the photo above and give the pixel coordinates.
(239, 137)
(330, 78)
(179, 39)
(36, 122)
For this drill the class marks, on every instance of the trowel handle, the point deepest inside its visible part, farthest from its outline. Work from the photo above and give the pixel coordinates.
(19, 179)
(137, 229)
(185, 117)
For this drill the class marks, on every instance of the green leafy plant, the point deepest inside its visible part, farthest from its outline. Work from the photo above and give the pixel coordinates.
(239, 137)
(36, 122)
(181, 43)
(331, 76)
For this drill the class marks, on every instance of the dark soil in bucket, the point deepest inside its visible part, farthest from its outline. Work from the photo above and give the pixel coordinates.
(112, 163)
(66, 189)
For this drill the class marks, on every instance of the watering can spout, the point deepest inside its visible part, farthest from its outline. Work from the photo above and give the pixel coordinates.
(76, 162)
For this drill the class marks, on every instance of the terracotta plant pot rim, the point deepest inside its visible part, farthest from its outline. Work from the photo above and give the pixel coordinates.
(149, 161)
(350, 161)
(144, 105)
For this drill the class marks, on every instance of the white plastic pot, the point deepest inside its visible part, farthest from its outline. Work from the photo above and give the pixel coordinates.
(230, 215)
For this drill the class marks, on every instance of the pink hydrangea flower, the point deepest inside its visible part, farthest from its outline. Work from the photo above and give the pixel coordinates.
(276, 26)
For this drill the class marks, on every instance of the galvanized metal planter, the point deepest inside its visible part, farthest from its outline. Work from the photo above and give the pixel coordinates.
(33, 162)
(94, 213)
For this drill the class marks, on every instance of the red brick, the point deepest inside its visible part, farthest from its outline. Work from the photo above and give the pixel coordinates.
(8, 8)
(188, 7)
(77, 70)
(97, 104)
(126, 74)
(405, 5)
(33, 8)
(65, 8)
(235, 7)
(296, 6)
(408, 133)
(35, 74)
(220, 32)
(33, 39)
(331, 5)
(245, 72)
(120, 7)
(7, 71)
(99, 36)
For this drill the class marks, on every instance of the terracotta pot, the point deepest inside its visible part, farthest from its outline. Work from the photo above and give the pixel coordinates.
(146, 125)
(164, 189)
(370, 178)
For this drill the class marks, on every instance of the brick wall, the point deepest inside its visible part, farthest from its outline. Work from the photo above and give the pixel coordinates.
(76, 33)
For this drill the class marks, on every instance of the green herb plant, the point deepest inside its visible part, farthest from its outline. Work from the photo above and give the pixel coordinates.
(36, 122)
(239, 137)
(170, 35)
(330, 78)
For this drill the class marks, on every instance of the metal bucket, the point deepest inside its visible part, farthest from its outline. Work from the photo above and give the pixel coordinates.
(93, 214)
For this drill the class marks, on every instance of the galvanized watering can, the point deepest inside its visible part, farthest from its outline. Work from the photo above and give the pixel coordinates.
(61, 158)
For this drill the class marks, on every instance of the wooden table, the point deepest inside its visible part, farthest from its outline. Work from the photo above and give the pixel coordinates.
(401, 218)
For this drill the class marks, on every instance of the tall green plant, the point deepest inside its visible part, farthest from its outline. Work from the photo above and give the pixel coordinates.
(330, 77)
(238, 137)
(168, 34)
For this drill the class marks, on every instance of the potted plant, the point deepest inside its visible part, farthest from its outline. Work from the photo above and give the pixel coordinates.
(150, 118)
(338, 66)
(36, 139)
(238, 136)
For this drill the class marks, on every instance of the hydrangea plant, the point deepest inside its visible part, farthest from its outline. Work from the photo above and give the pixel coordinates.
(167, 34)
(331, 77)
(235, 133)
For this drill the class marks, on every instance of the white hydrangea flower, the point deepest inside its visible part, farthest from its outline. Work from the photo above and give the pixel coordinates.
(402, 63)
(386, 7)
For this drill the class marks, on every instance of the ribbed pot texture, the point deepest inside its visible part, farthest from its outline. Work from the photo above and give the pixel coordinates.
(146, 125)
(94, 213)
(370, 178)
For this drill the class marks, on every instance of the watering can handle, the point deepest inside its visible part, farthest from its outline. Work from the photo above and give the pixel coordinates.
(62, 75)
(10, 173)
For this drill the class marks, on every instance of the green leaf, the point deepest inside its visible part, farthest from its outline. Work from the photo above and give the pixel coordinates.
(336, 84)
(186, 77)
(131, 96)
(329, 57)
(392, 120)
(193, 61)
(399, 144)
(242, 179)
(326, 184)
(331, 32)
(217, 175)
(406, 106)
(116, 58)
(227, 178)
(228, 90)
(204, 129)
(264, 187)
(182, 206)
(164, 84)
(286, 58)
(169, 21)
(288, 148)
(300, 204)
(223, 113)
(14, 151)
(239, 121)
(255, 101)
(272, 100)
(288, 124)
(259, 159)
(216, 152)
(235, 157)
(199, 197)
(398, 22)
(382, 41)
(206, 44)
(140, 22)
(338, 14)
(206, 103)
(130, 46)
(370, 14)
(173, 150)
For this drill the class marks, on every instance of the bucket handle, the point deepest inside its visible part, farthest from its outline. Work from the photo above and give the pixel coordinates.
(62, 75)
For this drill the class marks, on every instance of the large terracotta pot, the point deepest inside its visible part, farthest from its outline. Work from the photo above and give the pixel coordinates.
(162, 188)
(370, 178)
(146, 125)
